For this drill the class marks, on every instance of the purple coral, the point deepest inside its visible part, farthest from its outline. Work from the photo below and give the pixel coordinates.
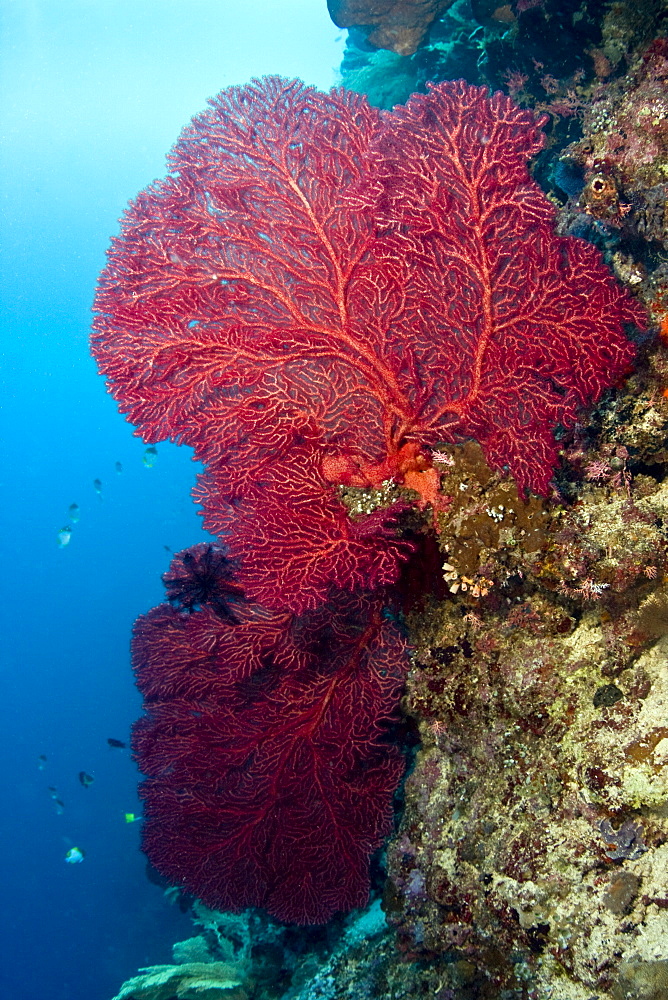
(627, 842)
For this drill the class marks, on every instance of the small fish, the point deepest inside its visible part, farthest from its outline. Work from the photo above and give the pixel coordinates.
(60, 807)
(75, 856)
(53, 791)
(132, 818)
(118, 467)
(116, 743)
(86, 779)
(150, 457)
(41, 762)
(97, 486)
(74, 512)
(64, 536)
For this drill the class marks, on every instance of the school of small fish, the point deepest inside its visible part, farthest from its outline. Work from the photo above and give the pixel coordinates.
(64, 536)
(75, 855)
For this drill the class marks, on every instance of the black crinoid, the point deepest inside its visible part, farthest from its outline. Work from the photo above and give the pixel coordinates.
(203, 575)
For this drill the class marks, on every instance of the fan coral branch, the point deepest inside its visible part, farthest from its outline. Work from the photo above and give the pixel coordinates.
(320, 290)
(269, 770)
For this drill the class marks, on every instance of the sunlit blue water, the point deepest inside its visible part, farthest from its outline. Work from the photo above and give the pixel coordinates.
(92, 94)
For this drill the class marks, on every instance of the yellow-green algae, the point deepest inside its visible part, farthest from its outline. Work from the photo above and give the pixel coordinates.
(192, 981)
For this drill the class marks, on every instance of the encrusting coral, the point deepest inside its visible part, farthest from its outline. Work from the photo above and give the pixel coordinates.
(534, 840)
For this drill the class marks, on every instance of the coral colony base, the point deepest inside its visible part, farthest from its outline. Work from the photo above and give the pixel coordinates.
(366, 328)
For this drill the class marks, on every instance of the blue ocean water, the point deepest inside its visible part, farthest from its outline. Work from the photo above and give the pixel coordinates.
(92, 95)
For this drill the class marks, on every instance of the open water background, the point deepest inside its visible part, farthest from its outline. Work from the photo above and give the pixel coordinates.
(92, 95)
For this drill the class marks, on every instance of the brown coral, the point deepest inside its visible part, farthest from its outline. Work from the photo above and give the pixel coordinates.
(397, 25)
(534, 814)
(626, 127)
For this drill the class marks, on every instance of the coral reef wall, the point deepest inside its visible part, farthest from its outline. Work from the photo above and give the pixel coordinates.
(531, 859)
(534, 841)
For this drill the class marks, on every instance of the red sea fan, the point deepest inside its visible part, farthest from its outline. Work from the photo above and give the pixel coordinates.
(533, 322)
(319, 292)
(293, 536)
(270, 773)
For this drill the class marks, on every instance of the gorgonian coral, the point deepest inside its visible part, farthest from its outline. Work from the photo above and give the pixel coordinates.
(316, 295)
(265, 745)
(319, 291)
